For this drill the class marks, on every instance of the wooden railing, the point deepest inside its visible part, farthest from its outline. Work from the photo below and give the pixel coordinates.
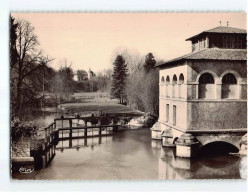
(50, 133)
(52, 137)
(66, 124)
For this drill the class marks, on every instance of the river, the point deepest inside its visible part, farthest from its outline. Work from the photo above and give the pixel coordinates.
(129, 154)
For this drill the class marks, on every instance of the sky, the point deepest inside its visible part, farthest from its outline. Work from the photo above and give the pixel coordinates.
(90, 40)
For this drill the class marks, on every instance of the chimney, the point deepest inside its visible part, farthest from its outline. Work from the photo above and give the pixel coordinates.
(227, 23)
(220, 23)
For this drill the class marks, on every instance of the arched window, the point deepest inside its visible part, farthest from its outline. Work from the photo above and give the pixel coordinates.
(162, 87)
(229, 87)
(206, 78)
(167, 85)
(229, 79)
(174, 82)
(181, 79)
(167, 80)
(162, 79)
(180, 82)
(206, 88)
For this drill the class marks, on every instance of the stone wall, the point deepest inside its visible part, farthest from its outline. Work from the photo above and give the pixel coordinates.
(212, 115)
(218, 67)
(231, 138)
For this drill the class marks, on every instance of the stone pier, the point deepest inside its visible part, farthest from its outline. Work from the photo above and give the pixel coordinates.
(189, 143)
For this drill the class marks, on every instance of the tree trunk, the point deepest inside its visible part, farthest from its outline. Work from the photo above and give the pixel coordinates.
(18, 98)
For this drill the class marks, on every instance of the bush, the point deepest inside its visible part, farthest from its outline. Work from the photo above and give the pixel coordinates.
(20, 128)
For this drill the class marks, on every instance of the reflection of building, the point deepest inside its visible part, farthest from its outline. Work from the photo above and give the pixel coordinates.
(222, 167)
(206, 90)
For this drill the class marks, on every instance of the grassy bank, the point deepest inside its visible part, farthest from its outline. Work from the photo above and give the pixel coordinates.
(105, 107)
(92, 97)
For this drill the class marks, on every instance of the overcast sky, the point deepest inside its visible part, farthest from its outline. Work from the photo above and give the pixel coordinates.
(89, 40)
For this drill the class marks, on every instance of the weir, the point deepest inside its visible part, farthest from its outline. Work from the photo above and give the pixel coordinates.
(71, 128)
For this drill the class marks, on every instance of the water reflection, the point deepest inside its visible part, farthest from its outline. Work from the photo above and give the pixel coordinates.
(243, 167)
(78, 143)
(41, 117)
(217, 167)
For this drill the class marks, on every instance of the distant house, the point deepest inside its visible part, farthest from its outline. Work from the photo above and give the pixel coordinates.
(91, 74)
(82, 75)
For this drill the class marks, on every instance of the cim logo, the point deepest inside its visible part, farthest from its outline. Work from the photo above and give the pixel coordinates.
(25, 170)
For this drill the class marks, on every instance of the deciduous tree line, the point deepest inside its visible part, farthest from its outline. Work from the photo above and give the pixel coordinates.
(31, 75)
(136, 81)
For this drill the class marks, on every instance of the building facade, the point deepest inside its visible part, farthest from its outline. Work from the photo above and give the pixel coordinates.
(206, 90)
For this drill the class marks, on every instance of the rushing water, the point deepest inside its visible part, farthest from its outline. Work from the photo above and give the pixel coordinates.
(132, 155)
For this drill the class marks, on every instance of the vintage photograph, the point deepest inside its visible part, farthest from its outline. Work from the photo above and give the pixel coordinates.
(128, 96)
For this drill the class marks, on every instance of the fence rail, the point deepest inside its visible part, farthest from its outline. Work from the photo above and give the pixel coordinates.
(52, 131)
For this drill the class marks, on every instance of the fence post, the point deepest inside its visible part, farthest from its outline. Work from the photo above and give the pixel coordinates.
(44, 161)
(50, 137)
(50, 133)
(54, 124)
(115, 127)
(85, 132)
(70, 122)
(100, 131)
(45, 137)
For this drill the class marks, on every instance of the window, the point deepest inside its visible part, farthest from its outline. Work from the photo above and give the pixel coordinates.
(181, 81)
(162, 87)
(174, 115)
(167, 85)
(229, 79)
(229, 89)
(162, 79)
(174, 82)
(206, 78)
(206, 88)
(167, 112)
(238, 42)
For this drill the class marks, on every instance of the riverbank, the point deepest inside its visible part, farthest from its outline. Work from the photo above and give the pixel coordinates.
(93, 107)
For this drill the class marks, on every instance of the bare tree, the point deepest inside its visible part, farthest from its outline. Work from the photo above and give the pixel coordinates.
(29, 61)
(63, 83)
(143, 88)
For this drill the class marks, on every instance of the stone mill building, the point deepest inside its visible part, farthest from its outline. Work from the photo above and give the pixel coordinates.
(203, 95)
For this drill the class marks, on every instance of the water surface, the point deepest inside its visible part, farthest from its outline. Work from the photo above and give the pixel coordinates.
(131, 155)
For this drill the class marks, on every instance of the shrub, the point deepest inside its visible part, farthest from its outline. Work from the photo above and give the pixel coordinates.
(20, 128)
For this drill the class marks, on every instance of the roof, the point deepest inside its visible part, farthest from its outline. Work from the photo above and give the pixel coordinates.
(212, 54)
(92, 73)
(220, 29)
